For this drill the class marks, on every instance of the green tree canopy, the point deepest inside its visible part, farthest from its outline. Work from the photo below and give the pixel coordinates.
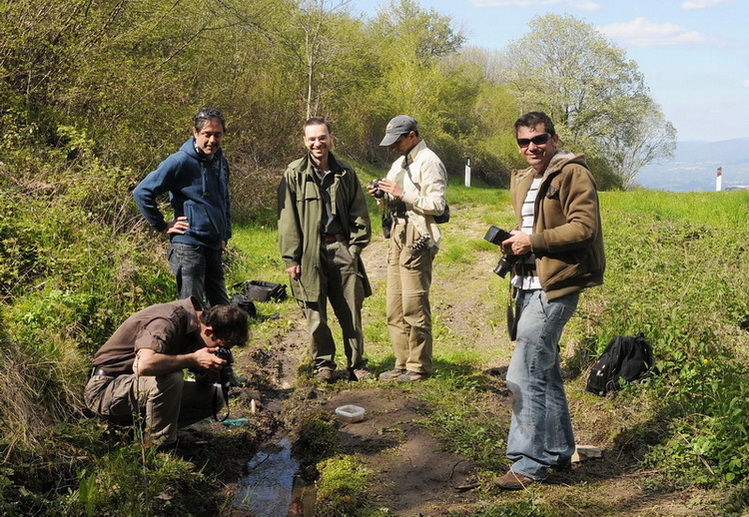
(596, 96)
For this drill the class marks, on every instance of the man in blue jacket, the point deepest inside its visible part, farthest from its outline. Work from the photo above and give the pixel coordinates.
(197, 179)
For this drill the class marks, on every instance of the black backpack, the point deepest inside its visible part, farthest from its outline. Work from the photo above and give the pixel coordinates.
(625, 357)
(262, 291)
(243, 302)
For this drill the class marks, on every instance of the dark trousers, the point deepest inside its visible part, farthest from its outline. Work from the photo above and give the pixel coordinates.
(199, 272)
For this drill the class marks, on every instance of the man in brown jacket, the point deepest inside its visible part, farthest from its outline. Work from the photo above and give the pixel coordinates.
(559, 242)
(138, 376)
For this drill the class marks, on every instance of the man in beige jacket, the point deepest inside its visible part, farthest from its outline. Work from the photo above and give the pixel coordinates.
(414, 193)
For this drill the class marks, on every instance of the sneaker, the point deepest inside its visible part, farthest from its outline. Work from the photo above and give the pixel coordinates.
(325, 375)
(513, 481)
(392, 374)
(410, 376)
(360, 374)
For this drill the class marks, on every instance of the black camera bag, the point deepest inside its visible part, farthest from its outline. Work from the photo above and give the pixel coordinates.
(444, 217)
(262, 291)
(243, 302)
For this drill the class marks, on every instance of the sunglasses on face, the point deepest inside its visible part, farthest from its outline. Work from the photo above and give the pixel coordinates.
(537, 140)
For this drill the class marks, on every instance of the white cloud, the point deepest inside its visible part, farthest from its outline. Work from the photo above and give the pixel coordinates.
(580, 5)
(642, 33)
(703, 4)
(746, 83)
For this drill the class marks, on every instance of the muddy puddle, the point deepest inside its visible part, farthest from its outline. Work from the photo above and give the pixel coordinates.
(272, 486)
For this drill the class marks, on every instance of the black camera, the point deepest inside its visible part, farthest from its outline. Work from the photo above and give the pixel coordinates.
(375, 184)
(227, 377)
(505, 264)
(223, 353)
(496, 236)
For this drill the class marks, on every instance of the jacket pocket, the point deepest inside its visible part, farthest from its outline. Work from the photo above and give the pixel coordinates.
(202, 224)
(558, 270)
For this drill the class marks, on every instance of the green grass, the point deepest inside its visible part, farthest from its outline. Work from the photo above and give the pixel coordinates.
(678, 270)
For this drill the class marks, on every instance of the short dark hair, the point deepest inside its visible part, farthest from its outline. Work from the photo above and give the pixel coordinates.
(206, 114)
(533, 119)
(316, 121)
(229, 323)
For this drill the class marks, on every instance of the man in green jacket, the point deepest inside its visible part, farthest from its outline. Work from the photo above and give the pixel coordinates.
(558, 243)
(323, 225)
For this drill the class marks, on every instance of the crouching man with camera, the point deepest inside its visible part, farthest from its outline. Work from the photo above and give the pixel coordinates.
(138, 377)
(559, 248)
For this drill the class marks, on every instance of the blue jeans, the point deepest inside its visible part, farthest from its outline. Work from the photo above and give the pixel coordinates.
(541, 431)
(199, 272)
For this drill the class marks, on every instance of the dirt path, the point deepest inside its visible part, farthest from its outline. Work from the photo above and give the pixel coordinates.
(411, 473)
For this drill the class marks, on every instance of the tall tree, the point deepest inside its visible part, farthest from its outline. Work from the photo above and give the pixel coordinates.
(640, 135)
(323, 43)
(591, 90)
(413, 43)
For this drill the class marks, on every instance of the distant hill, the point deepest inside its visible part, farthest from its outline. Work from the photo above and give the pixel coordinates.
(694, 166)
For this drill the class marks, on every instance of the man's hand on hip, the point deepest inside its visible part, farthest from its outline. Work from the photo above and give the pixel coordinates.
(178, 225)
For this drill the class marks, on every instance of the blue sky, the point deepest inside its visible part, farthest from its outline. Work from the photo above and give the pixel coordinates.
(694, 54)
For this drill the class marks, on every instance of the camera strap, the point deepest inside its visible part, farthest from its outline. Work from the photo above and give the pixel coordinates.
(513, 312)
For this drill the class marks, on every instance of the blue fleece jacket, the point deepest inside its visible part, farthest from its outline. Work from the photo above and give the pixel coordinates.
(198, 188)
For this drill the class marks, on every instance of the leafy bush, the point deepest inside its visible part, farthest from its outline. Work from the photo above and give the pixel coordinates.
(125, 481)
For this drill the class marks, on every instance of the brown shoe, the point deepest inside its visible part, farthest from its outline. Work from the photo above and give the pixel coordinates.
(392, 374)
(360, 374)
(513, 481)
(410, 376)
(325, 375)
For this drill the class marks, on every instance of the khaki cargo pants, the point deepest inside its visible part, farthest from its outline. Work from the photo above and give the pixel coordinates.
(409, 315)
(159, 405)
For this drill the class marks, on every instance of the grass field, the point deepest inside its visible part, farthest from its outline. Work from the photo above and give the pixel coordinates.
(677, 271)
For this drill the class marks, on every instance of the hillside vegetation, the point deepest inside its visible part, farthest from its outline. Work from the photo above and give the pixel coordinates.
(94, 94)
(123, 79)
(677, 271)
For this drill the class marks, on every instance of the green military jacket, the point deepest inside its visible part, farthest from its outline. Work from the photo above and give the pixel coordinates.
(300, 218)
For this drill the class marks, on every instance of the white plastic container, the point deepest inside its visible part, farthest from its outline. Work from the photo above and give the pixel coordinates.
(350, 413)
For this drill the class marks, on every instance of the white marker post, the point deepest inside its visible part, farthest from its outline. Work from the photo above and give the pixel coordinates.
(718, 179)
(468, 171)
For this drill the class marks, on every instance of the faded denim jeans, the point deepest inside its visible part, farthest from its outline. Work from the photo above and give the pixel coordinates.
(541, 431)
(199, 272)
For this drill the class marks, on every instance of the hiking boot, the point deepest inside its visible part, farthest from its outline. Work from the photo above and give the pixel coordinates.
(512, 481)
(360, 374)
(410, 376)
(325, 375)
(392, 374)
